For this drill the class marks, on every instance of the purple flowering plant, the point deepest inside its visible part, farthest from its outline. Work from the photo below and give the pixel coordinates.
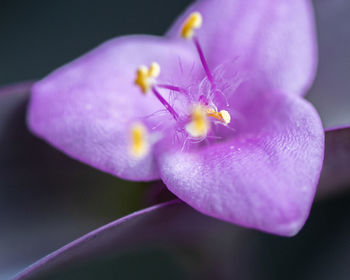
(214, 109)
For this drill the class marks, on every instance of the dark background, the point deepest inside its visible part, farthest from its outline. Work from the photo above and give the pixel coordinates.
(47, 199)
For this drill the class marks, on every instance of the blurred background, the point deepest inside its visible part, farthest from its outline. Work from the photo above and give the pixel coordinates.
(48, 199)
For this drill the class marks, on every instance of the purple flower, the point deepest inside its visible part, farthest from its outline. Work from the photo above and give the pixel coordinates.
(216, 112)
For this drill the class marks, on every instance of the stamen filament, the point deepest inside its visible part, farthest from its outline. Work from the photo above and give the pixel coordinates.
(222, 116)
(165, 103)
(171, 87)
(203, 61)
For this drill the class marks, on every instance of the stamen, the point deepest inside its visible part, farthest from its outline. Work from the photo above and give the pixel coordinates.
(194, 21)
(223, 116)
(139, 144)
(145, 79)
(199, 125)
(145, 76)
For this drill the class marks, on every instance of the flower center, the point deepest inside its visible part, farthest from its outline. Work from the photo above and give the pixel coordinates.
(197, 121)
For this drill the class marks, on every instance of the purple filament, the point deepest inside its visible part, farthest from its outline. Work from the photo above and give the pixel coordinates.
(174, 88)
(204, 62)
(165, 103)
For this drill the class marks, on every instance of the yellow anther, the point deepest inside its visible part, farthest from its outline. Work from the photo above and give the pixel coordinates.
(194, 21)
(226, 117)
(223, 116)
(154, 70)
(199, 125)
(145, 76)
(139, 145)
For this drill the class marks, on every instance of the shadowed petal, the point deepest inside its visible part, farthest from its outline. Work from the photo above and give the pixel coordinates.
(335, 175)
(21, 87)
(275, 39)
(173, 222)
(206, 245)
(86, 107)
(263, 178)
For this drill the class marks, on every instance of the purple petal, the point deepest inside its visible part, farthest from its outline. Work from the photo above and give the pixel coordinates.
(275, 39)
(86, 107)
(263, 177)
(335, 173)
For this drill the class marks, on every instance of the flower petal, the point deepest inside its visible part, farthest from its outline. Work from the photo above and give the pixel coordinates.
(86, 107)
(276, 39)
(264, 177)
